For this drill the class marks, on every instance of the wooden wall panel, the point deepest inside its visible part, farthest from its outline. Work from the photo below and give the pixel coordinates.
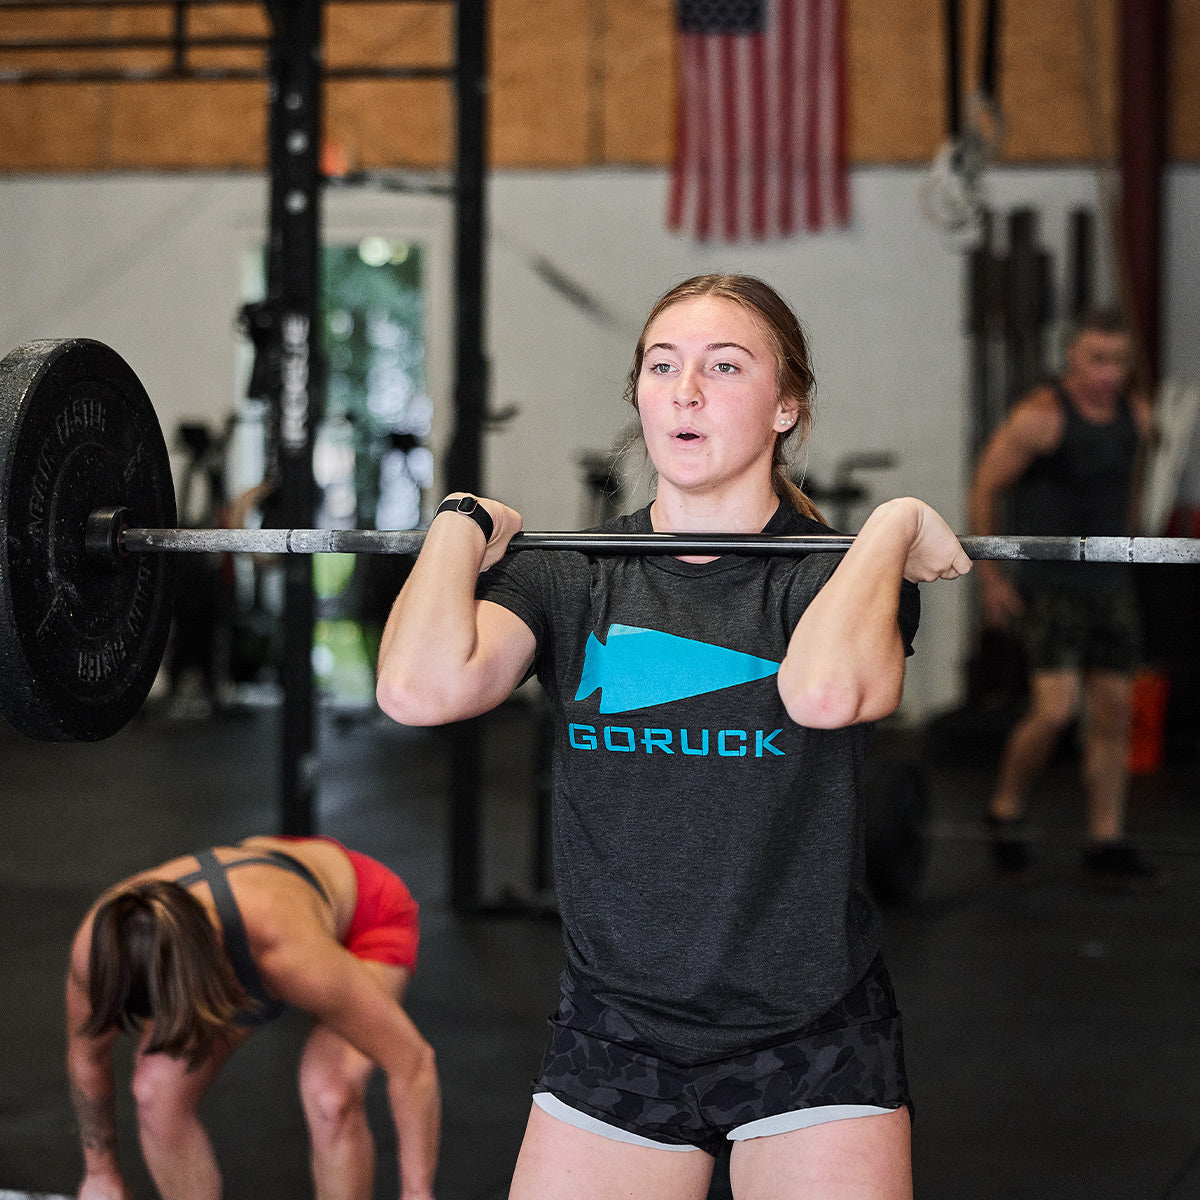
(188, 126)
(1183, 84)
(376, 124)
(1060, 81)
(541, 93)
(382, 123)
(895, 80)
(575, 83)
(637, 81)
(1058, 74)
(46, 127)
(389, 34)
(226, 20)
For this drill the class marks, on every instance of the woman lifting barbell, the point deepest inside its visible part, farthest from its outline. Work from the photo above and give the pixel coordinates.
(710, 719)
(192, 955)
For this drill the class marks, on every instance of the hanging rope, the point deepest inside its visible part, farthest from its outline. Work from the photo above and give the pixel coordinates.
(952, 194)
(1108, 176)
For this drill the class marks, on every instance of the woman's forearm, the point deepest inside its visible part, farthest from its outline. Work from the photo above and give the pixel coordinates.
(89, 1069)
(430, 635)
(845, 659)
(416, 1106)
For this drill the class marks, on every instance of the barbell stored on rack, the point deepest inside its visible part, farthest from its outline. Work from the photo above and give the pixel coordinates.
(87, 515)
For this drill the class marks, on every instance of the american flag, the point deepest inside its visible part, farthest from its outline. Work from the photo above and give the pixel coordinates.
(760, 126)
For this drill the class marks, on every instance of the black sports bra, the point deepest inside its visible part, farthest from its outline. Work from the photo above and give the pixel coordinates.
(263, 1006)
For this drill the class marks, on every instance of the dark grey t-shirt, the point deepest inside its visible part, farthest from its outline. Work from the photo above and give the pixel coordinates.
(707, 850)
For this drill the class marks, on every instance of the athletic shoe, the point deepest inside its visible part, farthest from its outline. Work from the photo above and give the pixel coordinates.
(1010, 848)
(1118, 867)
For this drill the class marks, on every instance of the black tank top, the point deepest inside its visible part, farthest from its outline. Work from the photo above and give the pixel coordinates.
(263, 1006)
(1083, 487)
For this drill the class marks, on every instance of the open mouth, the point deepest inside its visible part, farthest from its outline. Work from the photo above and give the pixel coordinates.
(688, 435)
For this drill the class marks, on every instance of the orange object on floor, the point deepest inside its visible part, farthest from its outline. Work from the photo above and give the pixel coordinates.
(1148, 720)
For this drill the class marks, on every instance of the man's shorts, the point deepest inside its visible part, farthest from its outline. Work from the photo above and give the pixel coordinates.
(598, 1074)
(1062, 631)
(384, 927)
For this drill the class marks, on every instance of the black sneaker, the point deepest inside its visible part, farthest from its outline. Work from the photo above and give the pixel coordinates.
(1118, 867)
(1010, 848)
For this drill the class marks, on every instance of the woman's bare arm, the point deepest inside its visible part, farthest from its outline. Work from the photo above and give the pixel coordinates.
(845, 661)
(445, 656)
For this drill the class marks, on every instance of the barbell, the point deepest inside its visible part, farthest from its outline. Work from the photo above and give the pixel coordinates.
(87, 515)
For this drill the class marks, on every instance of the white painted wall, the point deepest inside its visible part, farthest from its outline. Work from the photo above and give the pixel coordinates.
(152, 266)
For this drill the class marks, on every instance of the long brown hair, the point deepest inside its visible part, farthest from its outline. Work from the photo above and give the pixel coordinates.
(155, 956)
(793, 366)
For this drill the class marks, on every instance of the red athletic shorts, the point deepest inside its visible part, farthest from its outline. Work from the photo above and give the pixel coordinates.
(384, 927)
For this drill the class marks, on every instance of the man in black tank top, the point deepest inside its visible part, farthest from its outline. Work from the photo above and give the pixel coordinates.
(1064, 459)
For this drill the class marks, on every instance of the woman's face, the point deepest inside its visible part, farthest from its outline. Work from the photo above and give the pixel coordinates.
(708, 399)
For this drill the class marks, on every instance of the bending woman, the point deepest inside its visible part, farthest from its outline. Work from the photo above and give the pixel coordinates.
(711, 718)
(193, 955)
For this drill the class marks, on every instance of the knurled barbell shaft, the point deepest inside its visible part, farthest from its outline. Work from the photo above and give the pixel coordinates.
(409, 541)
(83, 629)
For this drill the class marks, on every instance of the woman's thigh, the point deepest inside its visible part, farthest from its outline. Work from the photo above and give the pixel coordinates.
(561, 1162)
(163, 1083)
(860, 1158)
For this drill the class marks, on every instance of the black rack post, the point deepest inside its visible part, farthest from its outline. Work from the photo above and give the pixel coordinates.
(286, 328)
(464, 460)
(1029, 304)
(293, 287)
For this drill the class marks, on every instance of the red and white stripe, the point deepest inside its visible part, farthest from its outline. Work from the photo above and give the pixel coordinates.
(761, 127)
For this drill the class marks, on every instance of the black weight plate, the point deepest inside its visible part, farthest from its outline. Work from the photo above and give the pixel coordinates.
(80, 641)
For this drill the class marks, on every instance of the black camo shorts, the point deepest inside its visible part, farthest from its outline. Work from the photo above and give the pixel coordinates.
(597, 1065)
(1061, 631)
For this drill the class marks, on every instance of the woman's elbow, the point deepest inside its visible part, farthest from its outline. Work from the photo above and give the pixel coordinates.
(837, 703)
(432, 698)
(406, 703)
(422, 1064)
(416, 1072)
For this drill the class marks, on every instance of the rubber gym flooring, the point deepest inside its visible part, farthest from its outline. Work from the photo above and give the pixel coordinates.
(1053, 1033)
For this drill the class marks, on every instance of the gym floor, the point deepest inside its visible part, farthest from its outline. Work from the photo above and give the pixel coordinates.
(1052, 1032)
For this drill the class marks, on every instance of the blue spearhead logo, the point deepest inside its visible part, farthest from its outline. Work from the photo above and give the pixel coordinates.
(638, 668)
